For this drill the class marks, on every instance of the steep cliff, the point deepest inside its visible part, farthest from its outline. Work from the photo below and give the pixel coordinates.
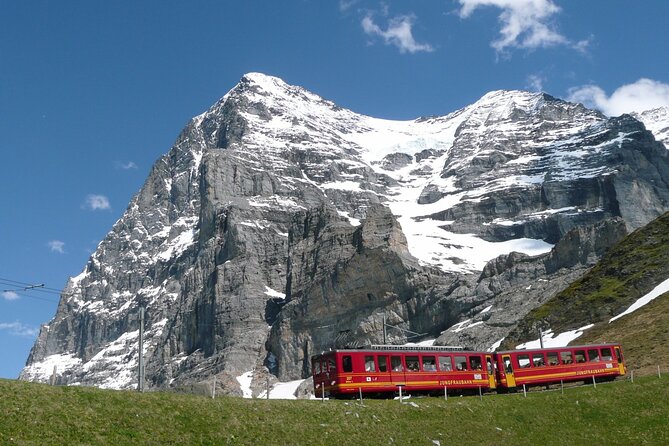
(280, 224)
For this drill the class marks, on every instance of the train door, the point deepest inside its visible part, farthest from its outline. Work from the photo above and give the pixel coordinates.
(508, 371)
(490, 368)
(384, 370)
(397, 370)
(619, 357)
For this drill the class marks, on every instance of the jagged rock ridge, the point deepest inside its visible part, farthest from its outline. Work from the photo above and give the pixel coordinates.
(280, 224)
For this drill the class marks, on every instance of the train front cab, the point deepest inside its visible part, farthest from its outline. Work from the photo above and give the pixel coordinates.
(619, 357)
(324, 373)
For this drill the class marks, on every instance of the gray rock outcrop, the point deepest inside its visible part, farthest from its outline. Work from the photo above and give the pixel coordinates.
(279, 225)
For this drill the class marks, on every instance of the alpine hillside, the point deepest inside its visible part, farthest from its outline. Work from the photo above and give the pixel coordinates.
(280, 225)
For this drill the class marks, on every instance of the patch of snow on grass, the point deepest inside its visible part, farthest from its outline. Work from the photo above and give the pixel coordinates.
(244, 381)
(561, 340)
(285, 391)
(656, 292)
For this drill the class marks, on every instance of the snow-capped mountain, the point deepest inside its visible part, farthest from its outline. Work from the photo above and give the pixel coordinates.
(657, 121)
(280, 224)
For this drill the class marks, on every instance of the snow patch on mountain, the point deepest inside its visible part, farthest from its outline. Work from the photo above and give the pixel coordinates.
(657, 121)
(646, 299)
(44, 369)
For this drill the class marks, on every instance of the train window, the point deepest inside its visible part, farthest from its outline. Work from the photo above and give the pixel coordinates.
(606, 354)
(593, 355)
(489, 365)
(383, 364)
(412, 363)
(429, 364)
(445, 364)
(524, 361)
(369, 364)
(538, 360)
(347, 364)
(396, 363)
(317, 367)
(461, 363)
(332, 367)
(475, 362)
(579, 355)
(552, 358)
(566, 357)
(508, 368)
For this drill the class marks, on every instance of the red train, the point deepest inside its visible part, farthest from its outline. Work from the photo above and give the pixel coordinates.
(384, 369)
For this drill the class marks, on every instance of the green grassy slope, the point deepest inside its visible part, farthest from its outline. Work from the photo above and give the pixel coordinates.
(629, 270)
(616, 413)
(644, 335)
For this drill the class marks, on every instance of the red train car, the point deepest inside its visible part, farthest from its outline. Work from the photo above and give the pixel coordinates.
(551, 365)
(384, 369)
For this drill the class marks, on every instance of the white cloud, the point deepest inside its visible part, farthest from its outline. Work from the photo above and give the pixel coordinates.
(644, 94)
(525, 24)
(345, 5)
(96, 202)
(57, 246)
(535, 82)
(127, 166)
(19, 329)
(10, 295)
(399, 33)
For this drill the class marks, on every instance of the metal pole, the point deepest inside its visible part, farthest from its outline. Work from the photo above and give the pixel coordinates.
(268, 387)
(594, 383)
(632, 375)
(384, 330)
(213, 389)
(659, 375)
(360, 392)
(53, 375)
(400, 393)
(541, 338)
(446, 393)
(524, 391)
(140, 378)
(480, 394)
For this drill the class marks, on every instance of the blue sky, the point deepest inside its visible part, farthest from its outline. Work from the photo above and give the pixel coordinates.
(93, 92)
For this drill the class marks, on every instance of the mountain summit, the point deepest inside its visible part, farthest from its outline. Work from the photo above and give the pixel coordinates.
(280, 224)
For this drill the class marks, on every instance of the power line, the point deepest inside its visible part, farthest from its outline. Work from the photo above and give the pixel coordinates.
(17, 283)
(25, 289)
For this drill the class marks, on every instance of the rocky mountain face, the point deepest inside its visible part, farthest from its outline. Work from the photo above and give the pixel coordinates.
(280, 225)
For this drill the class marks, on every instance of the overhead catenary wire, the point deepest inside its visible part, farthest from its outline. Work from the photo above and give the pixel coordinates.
(25, 289)
(19, 284)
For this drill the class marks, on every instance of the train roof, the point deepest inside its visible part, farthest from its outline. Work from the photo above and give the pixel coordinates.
(400, 348)
(607, 344)
(449, 348)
